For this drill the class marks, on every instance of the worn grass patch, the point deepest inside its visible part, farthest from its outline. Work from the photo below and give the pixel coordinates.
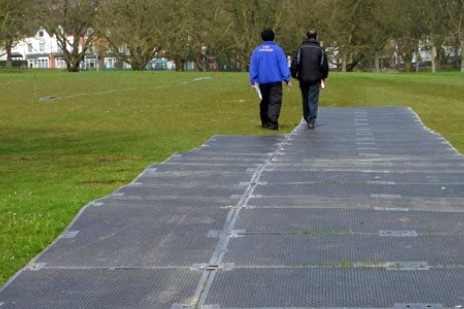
(66, 139)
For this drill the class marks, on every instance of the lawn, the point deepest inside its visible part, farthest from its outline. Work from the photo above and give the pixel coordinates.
(69, 138)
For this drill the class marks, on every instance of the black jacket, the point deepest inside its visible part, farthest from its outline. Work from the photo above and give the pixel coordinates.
(309, 63)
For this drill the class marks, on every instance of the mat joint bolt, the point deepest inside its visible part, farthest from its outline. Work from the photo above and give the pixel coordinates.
(213, 267)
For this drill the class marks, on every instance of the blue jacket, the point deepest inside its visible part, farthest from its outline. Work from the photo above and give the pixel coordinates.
(269, 64)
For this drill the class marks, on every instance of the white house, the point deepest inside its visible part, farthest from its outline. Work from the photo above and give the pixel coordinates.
(42, 51)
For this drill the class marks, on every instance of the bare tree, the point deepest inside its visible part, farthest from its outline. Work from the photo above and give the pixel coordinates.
(72, 22)
(208, 32)
(354, 31)
(135, 30)
(358, 32)
(201, 34)
(13, 24)
(436, 24)
(455, 9)
(300, 16)
(407, 31)
(247, 18)
(377, 33)
(217, 33)
(183, 37)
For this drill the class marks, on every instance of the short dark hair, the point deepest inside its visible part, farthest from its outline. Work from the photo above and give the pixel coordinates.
(311, 34)
(267, 34)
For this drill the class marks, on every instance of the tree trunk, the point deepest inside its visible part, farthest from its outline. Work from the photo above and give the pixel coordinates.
(350, 67)
(456, 57)
(73, 67)
(179, 64)
(418, 60)
(344, 60)
(200, 64)
(73, 64)
(439, 58)
(9, 58)
(377, 63)
(434, 57)
(137, 66)
(462, 56)
(407, 60)
(137, 62)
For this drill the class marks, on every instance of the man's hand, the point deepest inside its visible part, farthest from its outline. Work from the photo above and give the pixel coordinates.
(289, 85)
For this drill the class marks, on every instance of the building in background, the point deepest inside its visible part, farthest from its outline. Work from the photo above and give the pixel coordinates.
(42, 51)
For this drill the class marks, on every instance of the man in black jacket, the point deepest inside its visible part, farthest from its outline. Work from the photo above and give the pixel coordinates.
(309, 65)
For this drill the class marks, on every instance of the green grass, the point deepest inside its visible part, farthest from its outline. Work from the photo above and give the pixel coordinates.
(99, 130)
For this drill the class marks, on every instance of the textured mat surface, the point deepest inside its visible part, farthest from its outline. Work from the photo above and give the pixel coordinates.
(365, 211)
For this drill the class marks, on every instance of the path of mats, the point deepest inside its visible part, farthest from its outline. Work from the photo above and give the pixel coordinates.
(365, 211)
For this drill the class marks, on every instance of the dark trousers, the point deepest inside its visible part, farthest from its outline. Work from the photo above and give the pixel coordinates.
(310, 95)
(270, 104)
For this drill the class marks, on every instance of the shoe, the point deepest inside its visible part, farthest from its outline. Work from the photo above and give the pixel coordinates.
(274, 127)
(265, 126)
(311, 125)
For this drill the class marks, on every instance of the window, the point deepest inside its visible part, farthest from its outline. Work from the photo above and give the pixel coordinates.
(43, 63)
(60, 63)
(30, 48)
(110, 63)
(41, 47)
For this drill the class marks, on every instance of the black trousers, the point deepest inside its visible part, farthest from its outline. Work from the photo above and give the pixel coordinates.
(271, 104)
(310, 96)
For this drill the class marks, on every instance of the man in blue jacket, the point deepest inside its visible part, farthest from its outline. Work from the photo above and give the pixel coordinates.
(268, 68)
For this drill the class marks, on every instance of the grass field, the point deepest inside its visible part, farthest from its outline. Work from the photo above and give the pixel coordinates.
(66, 139)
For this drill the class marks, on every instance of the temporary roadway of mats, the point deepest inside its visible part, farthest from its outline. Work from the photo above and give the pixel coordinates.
(365, 211)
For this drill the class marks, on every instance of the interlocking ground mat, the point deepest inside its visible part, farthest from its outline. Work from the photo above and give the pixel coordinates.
(364, 211)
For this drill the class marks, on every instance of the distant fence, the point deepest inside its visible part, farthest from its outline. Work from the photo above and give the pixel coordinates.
(17, 64)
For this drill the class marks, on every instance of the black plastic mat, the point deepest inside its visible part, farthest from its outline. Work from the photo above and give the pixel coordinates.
(365, 211)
